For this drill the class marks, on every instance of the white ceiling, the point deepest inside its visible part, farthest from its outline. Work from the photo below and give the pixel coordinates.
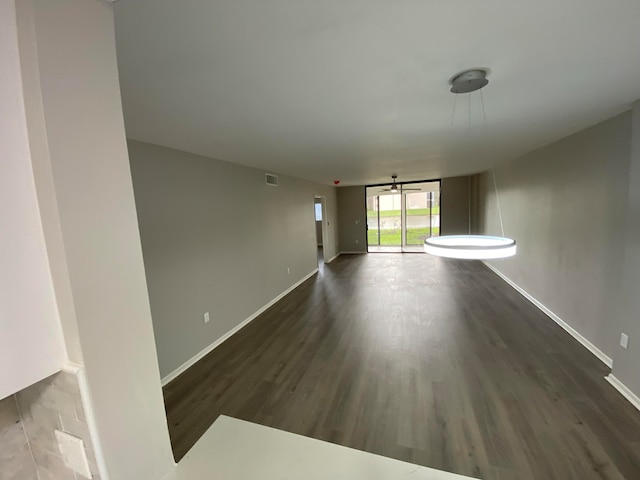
(355, 90)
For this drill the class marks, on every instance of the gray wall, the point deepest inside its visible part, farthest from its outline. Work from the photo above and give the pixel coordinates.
(319, 233)
(352, 219)
(626, 362)
(565, 205)
(455, 205)
(217, 239)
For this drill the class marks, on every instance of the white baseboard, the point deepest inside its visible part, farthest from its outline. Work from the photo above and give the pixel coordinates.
(182, 368)
(72, 367)
(572, 331)
(624, 390)
(351, 253)
(333, 258)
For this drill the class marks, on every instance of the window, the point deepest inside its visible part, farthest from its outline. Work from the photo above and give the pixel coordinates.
(318, 212)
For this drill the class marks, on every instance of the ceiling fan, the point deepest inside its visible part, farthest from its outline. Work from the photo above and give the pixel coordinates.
(394, 186)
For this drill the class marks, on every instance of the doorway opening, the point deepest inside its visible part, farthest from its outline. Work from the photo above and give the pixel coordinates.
(320, 216)
(401, 220)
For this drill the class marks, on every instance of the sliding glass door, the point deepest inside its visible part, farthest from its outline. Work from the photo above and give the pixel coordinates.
(400, 221)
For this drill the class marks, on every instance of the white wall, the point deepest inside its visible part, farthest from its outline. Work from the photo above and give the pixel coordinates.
(43, 176)
(96, 244)
(565, 204)
(31, 344)
(217, 239)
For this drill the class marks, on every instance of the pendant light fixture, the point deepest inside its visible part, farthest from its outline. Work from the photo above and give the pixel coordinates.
(472, 247)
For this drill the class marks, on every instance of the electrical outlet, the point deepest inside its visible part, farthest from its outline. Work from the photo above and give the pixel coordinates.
(288, 271)
(357, 241)
(73, 453)
(206, 317)
(624, 340)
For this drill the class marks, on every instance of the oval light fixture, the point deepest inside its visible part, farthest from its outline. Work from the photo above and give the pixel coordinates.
(470, 247)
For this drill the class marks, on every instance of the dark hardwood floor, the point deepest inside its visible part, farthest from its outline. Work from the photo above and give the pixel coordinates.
(431, 361)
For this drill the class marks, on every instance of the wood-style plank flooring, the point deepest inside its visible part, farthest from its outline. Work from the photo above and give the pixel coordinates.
(431, 361)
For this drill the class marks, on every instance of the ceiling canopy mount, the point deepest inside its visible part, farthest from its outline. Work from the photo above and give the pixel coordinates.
(469, 81)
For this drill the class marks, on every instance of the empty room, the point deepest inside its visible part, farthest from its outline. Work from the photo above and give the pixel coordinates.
(344, 239)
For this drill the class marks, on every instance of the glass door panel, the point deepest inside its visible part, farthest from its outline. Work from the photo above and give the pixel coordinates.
(373, 221)
(422, 218)
(384, 225)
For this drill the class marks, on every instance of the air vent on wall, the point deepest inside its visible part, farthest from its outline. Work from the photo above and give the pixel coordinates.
(271, 179)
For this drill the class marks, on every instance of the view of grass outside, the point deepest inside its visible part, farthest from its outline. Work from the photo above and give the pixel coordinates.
(385, 218)
(415, 236)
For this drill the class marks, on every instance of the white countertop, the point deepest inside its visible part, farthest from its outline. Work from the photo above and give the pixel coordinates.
(237, 450)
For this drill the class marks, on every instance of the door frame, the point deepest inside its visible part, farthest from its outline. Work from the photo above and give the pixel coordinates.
(323, 203)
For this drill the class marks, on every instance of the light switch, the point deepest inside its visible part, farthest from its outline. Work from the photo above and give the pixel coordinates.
(624, 340)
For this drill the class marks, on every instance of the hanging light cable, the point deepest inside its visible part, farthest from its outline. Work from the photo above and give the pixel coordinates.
(472, 247)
